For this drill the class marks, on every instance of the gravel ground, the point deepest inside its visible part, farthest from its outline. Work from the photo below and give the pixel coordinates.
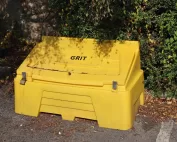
(51, 128)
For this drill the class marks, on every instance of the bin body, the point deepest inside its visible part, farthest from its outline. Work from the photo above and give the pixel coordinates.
(82, 78)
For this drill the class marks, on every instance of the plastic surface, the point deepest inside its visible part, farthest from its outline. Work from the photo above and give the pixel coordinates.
(82, 78)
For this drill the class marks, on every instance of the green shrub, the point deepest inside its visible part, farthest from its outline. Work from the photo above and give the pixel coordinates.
(153, 23)
(157, 25)
(13, 47)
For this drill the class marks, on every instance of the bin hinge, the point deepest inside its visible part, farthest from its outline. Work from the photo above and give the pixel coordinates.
(23, 80)
(114, 85)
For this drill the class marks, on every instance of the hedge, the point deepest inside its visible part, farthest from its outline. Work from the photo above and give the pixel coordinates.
(153, 23)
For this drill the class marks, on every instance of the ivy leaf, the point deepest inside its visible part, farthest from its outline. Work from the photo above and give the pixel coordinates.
(176, 33)
(171, 40)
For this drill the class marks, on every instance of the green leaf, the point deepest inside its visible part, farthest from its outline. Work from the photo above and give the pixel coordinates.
(175, 37)
(167, 40)
(176, 33)
(171, 40)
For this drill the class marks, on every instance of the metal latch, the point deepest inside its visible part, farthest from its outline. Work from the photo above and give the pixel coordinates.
(23, 80)
(114, 85)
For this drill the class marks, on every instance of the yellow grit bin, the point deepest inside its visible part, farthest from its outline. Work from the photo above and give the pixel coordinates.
(82, 78)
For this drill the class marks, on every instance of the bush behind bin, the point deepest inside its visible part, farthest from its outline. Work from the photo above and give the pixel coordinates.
(153, 23)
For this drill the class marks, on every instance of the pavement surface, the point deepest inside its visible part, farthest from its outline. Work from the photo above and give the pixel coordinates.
(51, 128)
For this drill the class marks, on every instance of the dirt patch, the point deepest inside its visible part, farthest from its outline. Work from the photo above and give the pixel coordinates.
(159, 109)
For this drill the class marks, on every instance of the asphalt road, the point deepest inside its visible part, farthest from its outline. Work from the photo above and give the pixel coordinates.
(51, 128)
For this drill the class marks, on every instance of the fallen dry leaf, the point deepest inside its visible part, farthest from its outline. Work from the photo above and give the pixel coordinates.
(160, 109)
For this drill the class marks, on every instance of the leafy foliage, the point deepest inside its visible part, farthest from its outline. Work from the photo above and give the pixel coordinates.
(153, 23)
(13, 47)
(157, 23)
(97, 19)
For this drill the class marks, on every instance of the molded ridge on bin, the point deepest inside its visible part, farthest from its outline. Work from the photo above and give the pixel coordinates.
(82, 78)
